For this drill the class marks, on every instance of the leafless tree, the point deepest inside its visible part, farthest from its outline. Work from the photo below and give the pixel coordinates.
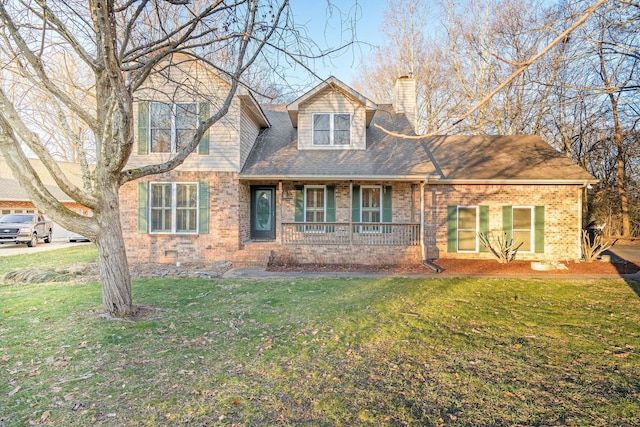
(120, 45)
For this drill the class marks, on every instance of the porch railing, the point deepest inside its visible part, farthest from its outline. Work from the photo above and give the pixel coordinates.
(356, 233)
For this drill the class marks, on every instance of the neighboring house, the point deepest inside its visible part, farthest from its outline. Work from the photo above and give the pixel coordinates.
(14, 199)
(319, 181)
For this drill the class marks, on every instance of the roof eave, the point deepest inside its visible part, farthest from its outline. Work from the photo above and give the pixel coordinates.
(582, 182)
(515, 181)
(416, 178)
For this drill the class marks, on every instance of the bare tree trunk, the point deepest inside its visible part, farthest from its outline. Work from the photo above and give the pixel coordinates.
(112, 257)
(622, 172)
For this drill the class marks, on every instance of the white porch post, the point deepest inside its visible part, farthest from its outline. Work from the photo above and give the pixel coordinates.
(350, 213)
(422, 246)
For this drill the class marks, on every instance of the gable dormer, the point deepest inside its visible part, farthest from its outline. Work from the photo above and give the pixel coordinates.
(331, 116)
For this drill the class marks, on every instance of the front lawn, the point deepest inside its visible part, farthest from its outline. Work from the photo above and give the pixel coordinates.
(324, 352)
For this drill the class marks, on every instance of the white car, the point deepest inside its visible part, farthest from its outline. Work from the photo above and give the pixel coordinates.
(77, 238)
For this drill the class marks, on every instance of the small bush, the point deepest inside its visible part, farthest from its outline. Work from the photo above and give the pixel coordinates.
(503, 248)
(593, 248)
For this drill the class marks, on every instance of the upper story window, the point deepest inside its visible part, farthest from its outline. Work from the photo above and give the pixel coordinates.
(331, 129)
(171, 126)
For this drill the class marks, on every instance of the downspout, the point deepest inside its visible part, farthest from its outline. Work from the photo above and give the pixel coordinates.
(425, 261)
(422, 245)
(280, 212)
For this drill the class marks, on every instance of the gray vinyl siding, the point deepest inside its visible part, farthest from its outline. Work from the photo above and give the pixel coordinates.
(332, 101)
(230, 139)
(248, 134)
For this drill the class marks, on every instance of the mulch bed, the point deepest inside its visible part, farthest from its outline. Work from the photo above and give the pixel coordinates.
(459, 266)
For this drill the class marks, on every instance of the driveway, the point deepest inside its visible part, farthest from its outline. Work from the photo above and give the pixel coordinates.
(629, 253)
(9, 249)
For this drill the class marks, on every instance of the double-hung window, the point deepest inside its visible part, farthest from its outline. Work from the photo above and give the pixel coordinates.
(314, 208)
(371, 209)
(171, 126)
(331, 129)
(523, 228)
(468, 223)
(174, 207)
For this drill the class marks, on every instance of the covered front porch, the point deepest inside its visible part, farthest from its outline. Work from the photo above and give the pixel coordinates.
(364, 222)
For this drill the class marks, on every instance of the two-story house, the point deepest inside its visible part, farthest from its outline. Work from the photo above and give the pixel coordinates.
(320, 181)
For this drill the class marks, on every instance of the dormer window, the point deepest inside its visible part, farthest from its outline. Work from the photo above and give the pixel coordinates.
(331, 129)
(171, 126)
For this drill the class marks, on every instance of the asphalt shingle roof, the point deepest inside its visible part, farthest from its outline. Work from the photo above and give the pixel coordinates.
(456, 158)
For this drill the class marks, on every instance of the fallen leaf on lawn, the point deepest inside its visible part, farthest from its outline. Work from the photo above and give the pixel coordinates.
(172, 326)
(508, 394)
(14, 391)
(44, 417)
(621, 355)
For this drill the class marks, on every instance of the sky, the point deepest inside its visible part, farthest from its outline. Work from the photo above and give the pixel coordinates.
(324, 21)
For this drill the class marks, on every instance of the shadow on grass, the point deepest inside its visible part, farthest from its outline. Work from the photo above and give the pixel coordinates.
(621, 258)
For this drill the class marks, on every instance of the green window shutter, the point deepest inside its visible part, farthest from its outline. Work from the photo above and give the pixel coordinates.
(507, 221)
(203, 207)
(143, 128)
(331, 206)
(452, 229)
(387, 213)
(203, 146)
(355, 204)
(386, 204)
(299, 206)
(143, 207)
(539, 229)
(299, 203)
(484, 224)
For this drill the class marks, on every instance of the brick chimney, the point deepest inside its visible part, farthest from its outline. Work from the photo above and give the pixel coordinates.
(404, 98)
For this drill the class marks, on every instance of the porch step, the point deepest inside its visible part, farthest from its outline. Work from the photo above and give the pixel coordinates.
(253, 255)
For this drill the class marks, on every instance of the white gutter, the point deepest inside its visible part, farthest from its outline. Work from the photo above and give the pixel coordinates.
(414, 178)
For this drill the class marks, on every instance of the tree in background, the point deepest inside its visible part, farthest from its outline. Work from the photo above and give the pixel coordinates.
(410, 51)
(83, 61)
(581, 92)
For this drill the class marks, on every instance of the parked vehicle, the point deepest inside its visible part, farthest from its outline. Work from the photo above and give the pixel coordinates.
(74, 237)
(25, 228)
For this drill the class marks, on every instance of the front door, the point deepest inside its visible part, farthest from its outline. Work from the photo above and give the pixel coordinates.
(263, 213)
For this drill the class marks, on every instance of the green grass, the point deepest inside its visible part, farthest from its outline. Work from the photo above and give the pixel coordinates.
(325, 352)
(49, 259)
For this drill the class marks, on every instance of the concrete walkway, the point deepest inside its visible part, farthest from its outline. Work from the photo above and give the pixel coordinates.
(261, 274)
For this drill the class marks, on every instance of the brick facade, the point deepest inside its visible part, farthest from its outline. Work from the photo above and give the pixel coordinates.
(220, 243)
(229, 228)
(22, 206)
(562, 223)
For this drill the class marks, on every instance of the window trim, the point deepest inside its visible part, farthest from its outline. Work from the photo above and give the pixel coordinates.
(332, 130)
(174, 127)
(174, 207)
(532, 228)
(315, 228)
(476, 230)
